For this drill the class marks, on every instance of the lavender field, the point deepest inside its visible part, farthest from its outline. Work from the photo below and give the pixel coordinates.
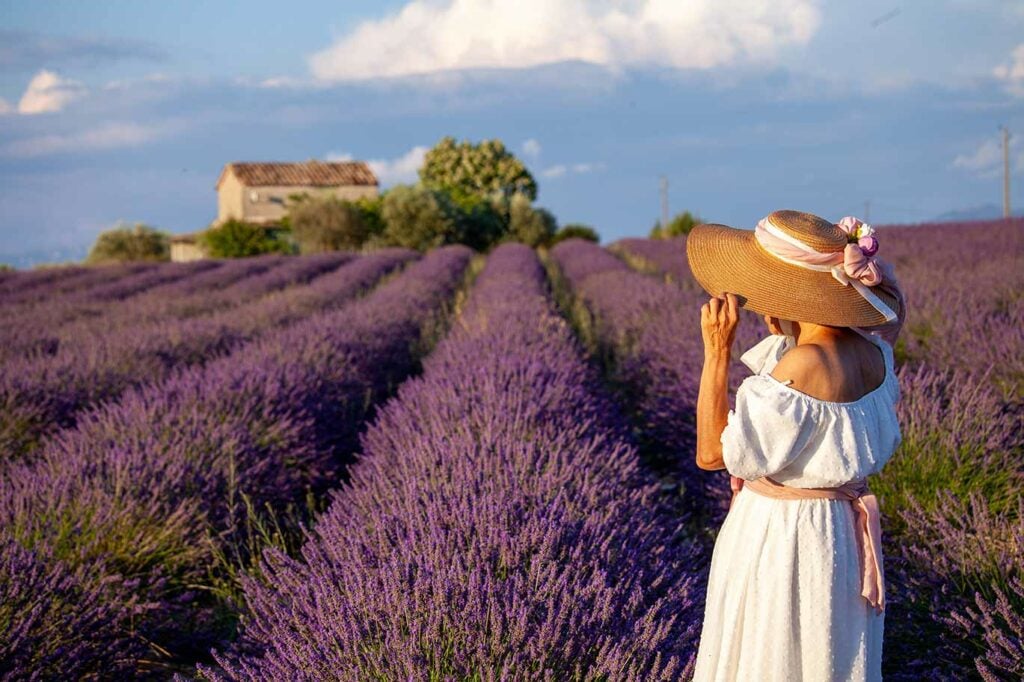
(453, 466)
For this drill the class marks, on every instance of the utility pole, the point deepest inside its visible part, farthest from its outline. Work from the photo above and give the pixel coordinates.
(867, 211)
(664, 202)
(1006, 171)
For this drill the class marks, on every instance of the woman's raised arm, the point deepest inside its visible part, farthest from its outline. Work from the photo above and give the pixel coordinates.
(718, 319)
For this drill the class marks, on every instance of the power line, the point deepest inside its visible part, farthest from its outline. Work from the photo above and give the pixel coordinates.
(1006, 171)
(664, 201)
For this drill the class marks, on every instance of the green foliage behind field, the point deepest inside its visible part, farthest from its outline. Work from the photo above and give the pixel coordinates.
(238, 239)
(477, 194)
(123, 243)
(679, 226)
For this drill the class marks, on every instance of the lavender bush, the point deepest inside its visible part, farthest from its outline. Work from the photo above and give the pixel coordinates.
(47, 329)
(1001, 621)
(55, 625)
(496, 526)
(42, 392)
(154, 486)
(43, 284)
(106, 289)
(647, 333)
(966, 306)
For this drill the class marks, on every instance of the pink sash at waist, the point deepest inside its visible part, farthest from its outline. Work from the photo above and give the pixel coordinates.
(869, 527)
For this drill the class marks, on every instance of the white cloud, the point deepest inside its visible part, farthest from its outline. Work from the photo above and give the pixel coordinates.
(987, 159)
(49, 92)
(561, 170)
(109, 136)
(402, 169)
(581, 168)
(1013, 71)
(531, 148)
(282, 82)
(427, 37)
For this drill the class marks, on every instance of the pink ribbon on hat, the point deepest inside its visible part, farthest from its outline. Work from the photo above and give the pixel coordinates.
(855, 265)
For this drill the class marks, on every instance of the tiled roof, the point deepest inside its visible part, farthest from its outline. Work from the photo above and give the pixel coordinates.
(309, 174)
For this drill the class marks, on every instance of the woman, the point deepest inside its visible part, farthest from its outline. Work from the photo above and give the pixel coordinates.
(796, 586)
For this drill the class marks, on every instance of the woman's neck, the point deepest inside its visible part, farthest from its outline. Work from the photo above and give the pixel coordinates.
(808, 332)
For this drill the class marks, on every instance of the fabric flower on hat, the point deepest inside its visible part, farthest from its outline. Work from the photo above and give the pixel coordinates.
(858, 258)
(855, 228)
(869, 245)
(859, 266)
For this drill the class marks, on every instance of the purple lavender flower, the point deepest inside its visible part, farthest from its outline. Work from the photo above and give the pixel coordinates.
(154, 483)
(496, 524)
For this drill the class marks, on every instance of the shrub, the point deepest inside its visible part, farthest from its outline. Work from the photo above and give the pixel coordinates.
(327, 224)
(529, 225)
(124, 243)
(238, 239)
(419, 218)
(370, 211)
(481, 221)
(578, 231)
(677, 227)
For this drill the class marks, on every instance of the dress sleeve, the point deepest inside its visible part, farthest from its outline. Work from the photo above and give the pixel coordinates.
(770, 426)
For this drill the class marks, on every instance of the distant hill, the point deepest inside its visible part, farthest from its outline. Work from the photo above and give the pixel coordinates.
(986, 212)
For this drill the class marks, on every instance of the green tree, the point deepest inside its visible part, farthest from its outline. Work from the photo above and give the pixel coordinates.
(124, 243)
(463, 169)
(238, 239)
(419, 218)
(481, 222)
(327, 224)
(680, 225)
(529, 225)
(370, 211)
(576, 231)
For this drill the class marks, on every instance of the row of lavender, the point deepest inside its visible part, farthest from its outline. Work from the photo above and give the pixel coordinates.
(496, 526)
(118, 537)
(46, 327)
(20, 287)
(39, 391)
(955, 483)
(100, 284)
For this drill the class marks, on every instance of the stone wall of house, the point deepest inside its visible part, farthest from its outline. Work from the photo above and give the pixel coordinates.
(268, 204)
(182, 251)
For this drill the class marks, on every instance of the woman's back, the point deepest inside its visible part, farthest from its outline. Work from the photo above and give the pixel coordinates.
(805, 441)
(842, 371)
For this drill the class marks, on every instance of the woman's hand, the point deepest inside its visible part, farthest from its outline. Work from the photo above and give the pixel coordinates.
(718, 319)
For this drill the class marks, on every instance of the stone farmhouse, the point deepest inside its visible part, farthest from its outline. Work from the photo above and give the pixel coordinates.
(257, 192)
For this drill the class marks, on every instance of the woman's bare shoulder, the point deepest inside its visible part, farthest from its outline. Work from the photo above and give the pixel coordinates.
(824, 374)
(801, 362)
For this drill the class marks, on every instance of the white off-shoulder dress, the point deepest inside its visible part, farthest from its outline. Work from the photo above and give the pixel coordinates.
(783, 598)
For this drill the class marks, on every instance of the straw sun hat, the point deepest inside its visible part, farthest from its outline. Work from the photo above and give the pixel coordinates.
(797, 266)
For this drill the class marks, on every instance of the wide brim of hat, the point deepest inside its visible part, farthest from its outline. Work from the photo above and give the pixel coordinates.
(726, 259)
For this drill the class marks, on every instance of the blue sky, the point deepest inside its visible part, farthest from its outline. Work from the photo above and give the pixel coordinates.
(126, 111)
